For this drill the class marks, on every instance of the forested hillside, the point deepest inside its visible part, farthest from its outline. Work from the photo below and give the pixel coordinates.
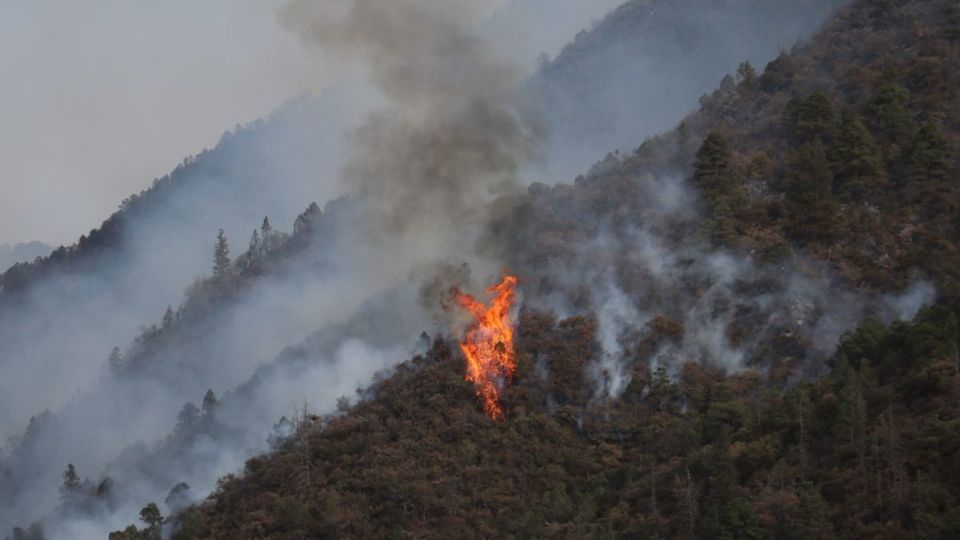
(746, 328)
(644, 66)
(845, 148)
(61, 315)
(821, 182)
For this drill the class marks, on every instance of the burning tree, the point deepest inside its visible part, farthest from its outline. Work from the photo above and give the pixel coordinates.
(488, 344)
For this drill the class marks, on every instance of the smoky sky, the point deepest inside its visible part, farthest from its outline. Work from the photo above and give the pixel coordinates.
(101, 97)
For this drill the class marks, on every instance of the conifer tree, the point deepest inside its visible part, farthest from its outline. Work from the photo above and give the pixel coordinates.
(221, 257)
(115, 359)
(209, 402)
(188, 416)
(712, 165)
(809, 197)
(816, 118)
(266, 236)
(790, 120)
(71, 484)
(168, 317)
(929, 157)
(890, 119)
(855, 158)
(254, 248)
(925, 179)
(747, 76)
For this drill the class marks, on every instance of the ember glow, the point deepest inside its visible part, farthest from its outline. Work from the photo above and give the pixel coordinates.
(488, 344)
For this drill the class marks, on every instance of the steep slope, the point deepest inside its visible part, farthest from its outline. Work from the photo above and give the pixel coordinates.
(61, 315)
(689, 443)
(126, 429)
(703, 455)
(844, 149)
(646, 63)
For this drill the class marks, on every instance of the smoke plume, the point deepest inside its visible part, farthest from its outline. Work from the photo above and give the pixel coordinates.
(454, 131)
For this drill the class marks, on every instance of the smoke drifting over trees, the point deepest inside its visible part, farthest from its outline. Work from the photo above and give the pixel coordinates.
(454, 132)
(691, 251)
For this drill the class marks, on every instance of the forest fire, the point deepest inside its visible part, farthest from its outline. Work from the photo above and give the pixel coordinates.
(488, 344)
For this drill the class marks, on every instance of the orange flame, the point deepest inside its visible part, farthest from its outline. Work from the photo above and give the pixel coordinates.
(488, 344)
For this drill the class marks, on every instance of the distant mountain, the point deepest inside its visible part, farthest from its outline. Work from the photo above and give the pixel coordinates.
(517, 28)
(21, 252)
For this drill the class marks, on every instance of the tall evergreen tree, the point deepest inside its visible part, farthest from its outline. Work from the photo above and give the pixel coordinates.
(71, 484)
(816, 118)
(115, 359)
(790, 119)
(855, 158)
(809, 197)
(929, 156)
(266, 236)
(747, 76)
(254, 249)
(221, 256)
(925, 178)
(209, 402)
(890, 118)
(712, 166)
(168, 317)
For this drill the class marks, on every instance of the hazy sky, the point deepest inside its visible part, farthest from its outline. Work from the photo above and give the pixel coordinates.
(98, 98)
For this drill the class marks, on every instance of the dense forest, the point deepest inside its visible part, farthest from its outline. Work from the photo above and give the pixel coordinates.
(748, 327)
(841, 152)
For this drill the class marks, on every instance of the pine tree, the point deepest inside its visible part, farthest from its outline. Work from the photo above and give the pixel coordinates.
(221, 257)
(809, 197)
(266, 236)
(747, 76)
(790, 120)
(816, 118)
(168, 317)
(209, 402)
(712, 166)
(721, 225)
(925, 177)
(890, 119)
(115, 359)
(254, 249)
(71, 484)
(855, 158)
(929, 156)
